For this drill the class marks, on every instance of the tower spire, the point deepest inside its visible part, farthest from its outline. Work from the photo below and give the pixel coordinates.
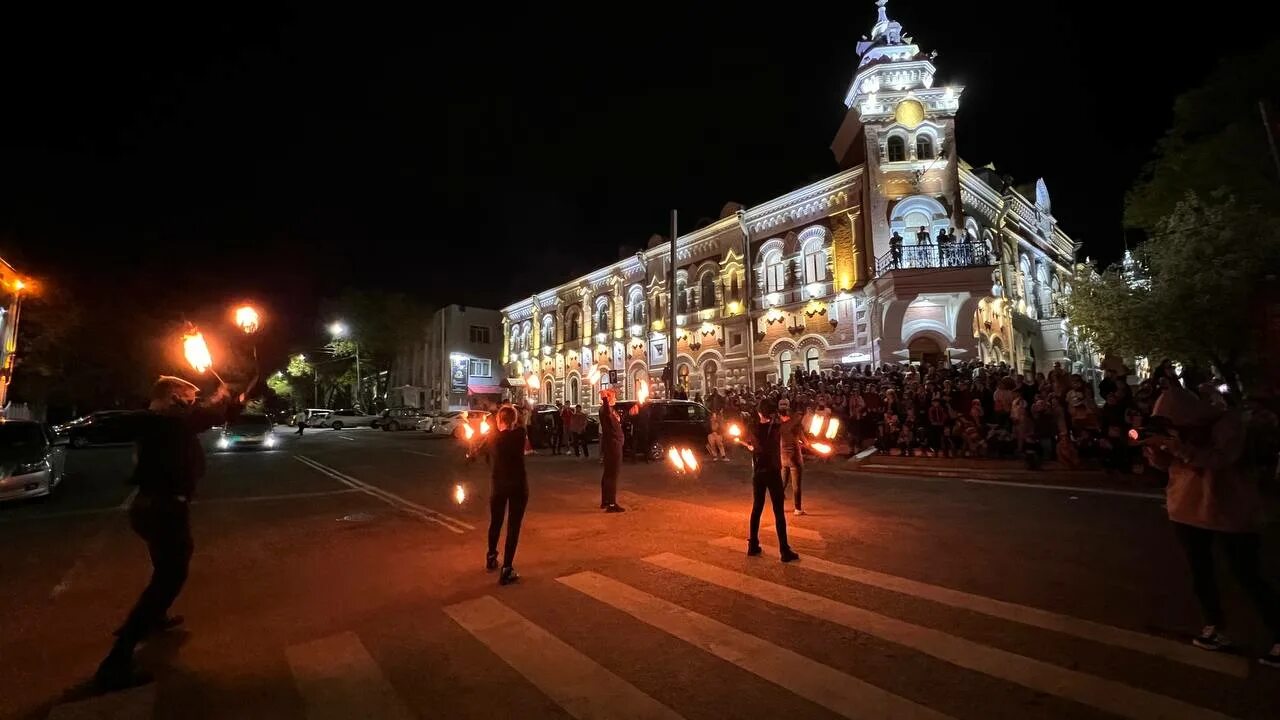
(883, 13)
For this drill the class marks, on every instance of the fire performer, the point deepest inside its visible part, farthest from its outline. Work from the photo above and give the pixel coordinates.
(765, 445)
(170, 461)
(610, 451)
(508, 493)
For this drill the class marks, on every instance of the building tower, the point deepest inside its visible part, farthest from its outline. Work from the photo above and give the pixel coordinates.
(902, 127)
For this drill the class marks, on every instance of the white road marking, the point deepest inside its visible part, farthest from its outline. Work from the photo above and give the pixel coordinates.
(1065, 624)
(347, 437)
(793, 530)
(128, 499)
(1108, 695)
(424, 513)
(839, 692)
(580, 685)
(1012, 484)
(132, 704)
(418, 452)
(339, 680)
(286, 496)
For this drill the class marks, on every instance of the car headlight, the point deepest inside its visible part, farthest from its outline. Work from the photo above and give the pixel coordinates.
(270, 441)
(34, 467)
(223, 443)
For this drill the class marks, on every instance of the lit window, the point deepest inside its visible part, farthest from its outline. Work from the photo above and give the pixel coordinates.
(924, 147)
(481, 368)
(897, 149)
(707, 293)
(811, 359)
(774, 272)
(784, 366)
(479, 334)
(815, 264)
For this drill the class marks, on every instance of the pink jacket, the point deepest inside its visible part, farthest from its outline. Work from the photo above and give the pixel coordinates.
(1208, 487)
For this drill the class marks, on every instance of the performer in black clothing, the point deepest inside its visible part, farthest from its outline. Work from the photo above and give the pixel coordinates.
(170, 460)
(610, 451)
(765, 444)
(509, 492)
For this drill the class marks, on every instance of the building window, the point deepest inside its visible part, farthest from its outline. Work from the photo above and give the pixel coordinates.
(735, 339)
(481, 368)
(571, 325)
(924, 147)
(548, 390)
(784, 366)
(479, 334)
(548, 331)
(635, 307)
(707, 292)
(815, 263)
(897, 149)
(774, 272)
(602, 318)
(811, 359)
(573, 391)
(709, 377)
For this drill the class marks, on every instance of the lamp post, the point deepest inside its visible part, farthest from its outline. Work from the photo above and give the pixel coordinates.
(748, 285)
(339, 330)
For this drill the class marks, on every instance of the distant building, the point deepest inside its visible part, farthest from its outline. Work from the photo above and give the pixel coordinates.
(822, 279)
(11, 289)
(455, 365)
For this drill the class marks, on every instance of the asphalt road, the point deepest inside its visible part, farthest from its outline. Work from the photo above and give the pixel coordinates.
(336, 577)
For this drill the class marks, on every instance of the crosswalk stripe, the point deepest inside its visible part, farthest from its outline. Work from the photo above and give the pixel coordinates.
(1086, 629)
(584, 688)
(1107, 695)
(134, 704)
(839, 692)
(338, 680)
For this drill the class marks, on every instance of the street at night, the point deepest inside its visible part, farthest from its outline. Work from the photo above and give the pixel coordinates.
(336, 577)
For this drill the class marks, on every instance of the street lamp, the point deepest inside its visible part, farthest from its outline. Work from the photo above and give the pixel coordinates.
(338, 329)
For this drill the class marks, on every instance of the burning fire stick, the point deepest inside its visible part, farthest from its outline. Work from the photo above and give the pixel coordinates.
(820, 447)
(484, 426)
(815, 425)
(247, 319)
(735, 434)
(197, 353)
(683, 460)
(459, 494)
(642, 391)
(833, 428)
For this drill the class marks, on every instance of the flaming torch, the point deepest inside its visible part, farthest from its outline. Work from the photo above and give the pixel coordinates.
(642, 391)
(821, 448)
(459, 494)
(735, 435)
(815, 426)
(833, 428)
(690, 462)
(674, 456)
(197, 353)
(484, 426)
(683, 460)
(247, 319)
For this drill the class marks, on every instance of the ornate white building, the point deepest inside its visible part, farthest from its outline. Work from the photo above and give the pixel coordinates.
(827, 283)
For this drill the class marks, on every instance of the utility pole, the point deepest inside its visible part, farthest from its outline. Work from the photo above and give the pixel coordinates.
(748, 284)
(671, 312)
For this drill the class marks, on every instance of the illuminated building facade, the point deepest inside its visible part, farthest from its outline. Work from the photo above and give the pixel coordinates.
(828, 282)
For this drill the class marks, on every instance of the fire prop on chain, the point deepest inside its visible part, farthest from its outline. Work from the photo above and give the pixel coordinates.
(197, 352)
(735, 435)
(247, 319)
(484, 426)
(459, 494)
(683, 460)
(816, 429)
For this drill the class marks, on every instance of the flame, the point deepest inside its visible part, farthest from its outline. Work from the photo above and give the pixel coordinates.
(533, 382)
(642, 391)
(459, 494)
(815, 425)
(197, 351)
(690, 462)
(735, 431)
(467, 432)
(821, 448)
(247, 319)
(674, 456)
(833, 427)
(484, 426)
(1133, 434)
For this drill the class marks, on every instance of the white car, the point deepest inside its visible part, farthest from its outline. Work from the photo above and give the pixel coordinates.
(31, 465)
(450, 423)
(339, 419)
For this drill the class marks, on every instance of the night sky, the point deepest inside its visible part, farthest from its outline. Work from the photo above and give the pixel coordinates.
(478, 156)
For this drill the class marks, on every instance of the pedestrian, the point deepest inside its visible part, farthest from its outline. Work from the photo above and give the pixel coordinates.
(557, 428)
(610, 451)
(170, 461)
(508, 492)
(792, 452)
(301, 421)
(1212, 500)
(578, 432)
(715, 440)
(895, 249)
(765, 444)
(566, 427)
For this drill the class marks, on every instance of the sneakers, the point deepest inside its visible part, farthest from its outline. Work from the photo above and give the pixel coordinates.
(491, 561)
(615, 508)
(790, 555)
(798, 511)
(753, 550)
(1211, 639)
(508, 576)
(1272, 658)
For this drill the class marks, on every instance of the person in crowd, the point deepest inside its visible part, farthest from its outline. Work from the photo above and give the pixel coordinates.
(1212, 500)
(169, 464)
(715, 440)
(938, 418)
(895, 249)
(578, 432)
(508, 492)
(765, 444)
(555, 432)
(300, 420)
(610, 451)
(792, 451)
(922, 237)
(566, 426)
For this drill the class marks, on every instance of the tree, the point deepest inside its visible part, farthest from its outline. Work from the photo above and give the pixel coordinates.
(381, 323)
(1195, 300)
(1217, 140)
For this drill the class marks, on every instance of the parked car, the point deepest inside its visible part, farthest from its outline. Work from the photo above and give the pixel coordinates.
(31, 464)
(100, 428)
(540, 433)
(401, 418)
(671, 422)
(247, 431)
(450, 423)
(347, 418)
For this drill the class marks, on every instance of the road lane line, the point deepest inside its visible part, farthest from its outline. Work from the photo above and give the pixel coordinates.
(1108, 695)
(287, 496)
(1026, 615)
(345, 437)
(893, 475)
(128, 499)
(132, 704)
(793, 530)
(580, 685)
(417, 452)
(839, 692)
(425, 513)
(339, 680)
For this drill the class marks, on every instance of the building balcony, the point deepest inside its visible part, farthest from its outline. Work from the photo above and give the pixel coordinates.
(934, 257)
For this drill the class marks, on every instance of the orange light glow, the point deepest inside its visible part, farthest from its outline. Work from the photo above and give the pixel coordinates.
(690, 462)
(533, 382)
(642, 391)
(484, 426)
(833, 427)
(594, 376)
(247, 319)
(467, 432)
(815, 425)
(674, 456)
(19, 285)
(197, 352)
(1133, 434)
(459, 494)
(821, 448)
(735, 431)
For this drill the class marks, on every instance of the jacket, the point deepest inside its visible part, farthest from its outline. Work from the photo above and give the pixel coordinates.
(170, 457)
(1208, 485)
(610, 430)
(506, 447)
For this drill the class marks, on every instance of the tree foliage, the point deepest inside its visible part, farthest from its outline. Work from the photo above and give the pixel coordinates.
(1217, 139)
(1194, 296)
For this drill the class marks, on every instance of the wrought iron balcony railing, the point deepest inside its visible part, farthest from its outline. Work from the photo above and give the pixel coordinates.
(932, 257)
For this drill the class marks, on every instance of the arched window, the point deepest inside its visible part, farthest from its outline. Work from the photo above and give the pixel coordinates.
(573, 328)
(635, 307)
(709, 377)
(774, 272)
(683, 380)
(526, 335)
(548, 330)
(924, 147)
(548, 390)
(573, 391)
(602, 317)
(682, 294)
(515, 338)
(811, 359)
(897, 148)
(815, 262)
(707, 290)
(784, 366)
